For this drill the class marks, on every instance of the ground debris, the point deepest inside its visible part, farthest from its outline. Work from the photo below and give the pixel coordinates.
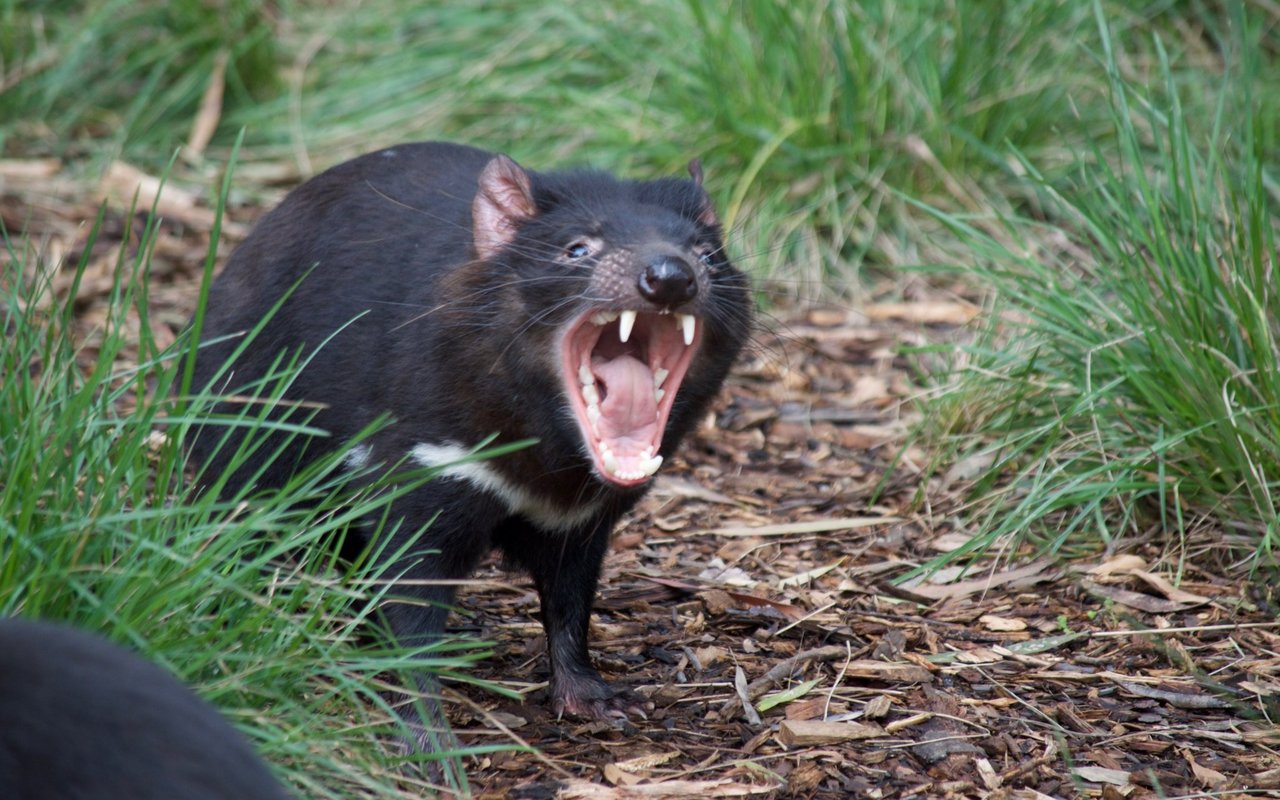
(763, 565)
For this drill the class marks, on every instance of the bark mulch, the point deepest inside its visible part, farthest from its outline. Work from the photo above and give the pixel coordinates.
(753, 603)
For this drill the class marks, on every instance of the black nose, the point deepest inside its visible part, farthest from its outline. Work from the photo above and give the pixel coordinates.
(668, 282)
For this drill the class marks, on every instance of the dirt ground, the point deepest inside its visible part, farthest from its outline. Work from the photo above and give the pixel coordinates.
(753, 600)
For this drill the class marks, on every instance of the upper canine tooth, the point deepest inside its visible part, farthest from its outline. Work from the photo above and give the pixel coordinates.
(604, 317)
(627, 320)
(687, 324)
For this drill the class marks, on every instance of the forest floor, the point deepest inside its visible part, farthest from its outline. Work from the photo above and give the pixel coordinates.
(752, 602)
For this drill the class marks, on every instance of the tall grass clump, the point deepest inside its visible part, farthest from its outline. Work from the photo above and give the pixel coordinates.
(814, 117)
(241, 598)
(1130, 382)
(80, 75)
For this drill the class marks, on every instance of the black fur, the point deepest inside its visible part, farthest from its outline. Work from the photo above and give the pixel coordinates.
(456, 347)
(81, 719)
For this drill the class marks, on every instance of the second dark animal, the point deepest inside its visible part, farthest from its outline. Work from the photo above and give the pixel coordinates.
(466, 297)
(82, 719)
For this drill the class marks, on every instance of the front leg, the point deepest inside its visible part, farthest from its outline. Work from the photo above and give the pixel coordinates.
(566, 570)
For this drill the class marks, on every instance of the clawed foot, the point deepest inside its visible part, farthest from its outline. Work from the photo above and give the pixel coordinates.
(589, 697)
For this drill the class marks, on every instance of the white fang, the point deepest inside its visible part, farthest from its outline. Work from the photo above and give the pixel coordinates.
(626, 321)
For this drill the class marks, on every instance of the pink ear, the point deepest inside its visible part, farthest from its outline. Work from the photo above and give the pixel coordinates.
(504, 199)
(707, 214)
(695, 171)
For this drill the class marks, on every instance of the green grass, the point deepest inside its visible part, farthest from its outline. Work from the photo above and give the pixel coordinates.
(1130, 388)
(242, 597)
(814, 118)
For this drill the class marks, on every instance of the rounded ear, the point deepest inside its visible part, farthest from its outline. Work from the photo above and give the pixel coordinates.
(706, 214)
(504, 200)
(695, 171)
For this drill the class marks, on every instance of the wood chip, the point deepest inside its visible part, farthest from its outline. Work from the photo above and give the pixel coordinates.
(813, 526)
(925, 313)
(673, 790)
(1116, 777)
(805, 733)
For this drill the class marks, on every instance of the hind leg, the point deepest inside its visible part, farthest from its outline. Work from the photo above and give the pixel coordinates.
(424, 564)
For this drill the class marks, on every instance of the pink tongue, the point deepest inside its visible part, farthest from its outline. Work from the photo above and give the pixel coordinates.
(629, 410)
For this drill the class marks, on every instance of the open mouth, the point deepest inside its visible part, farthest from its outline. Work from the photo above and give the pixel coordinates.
(622, 370)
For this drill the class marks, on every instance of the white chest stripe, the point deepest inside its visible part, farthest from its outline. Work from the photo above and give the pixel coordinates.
(517, 499)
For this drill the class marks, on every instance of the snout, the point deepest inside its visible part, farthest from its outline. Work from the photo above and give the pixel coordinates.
(667, 282)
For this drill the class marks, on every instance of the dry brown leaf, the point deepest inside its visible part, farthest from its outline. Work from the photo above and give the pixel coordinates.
(1261, 688)
(811, 574)
(951, 540)
(1119, 565)
(1167, 589)
(679, 487)
(740, 687)
(1135, 566)
(877, 707)
(869, 390)
(987, 773)
(1138, 600)
(968, 468)
(978, 655)
(1178, 699)
(620, 777)
(644, 763)
(1207, 777)
(1267, 779)
(1028, 575)
(710, 656)
(865, 437)
(508, 720)
(744, 600)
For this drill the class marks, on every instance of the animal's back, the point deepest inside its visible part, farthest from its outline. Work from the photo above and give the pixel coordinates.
(358, 251)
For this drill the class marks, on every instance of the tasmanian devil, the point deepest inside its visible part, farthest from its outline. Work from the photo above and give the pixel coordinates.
(82, 719)
(465, 296)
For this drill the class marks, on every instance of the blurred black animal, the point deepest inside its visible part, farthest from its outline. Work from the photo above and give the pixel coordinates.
(82, 719)
(466, 296)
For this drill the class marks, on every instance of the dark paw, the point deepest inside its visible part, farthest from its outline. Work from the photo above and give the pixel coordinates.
(589, 697)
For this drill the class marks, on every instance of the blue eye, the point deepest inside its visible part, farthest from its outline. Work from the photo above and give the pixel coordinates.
(707, 257)
(577, 250)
